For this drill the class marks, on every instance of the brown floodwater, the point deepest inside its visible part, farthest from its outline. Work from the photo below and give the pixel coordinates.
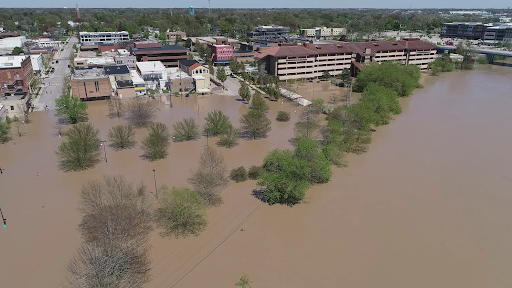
(429, 205)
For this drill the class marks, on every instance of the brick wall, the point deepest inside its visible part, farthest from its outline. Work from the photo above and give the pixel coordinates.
(91, 89)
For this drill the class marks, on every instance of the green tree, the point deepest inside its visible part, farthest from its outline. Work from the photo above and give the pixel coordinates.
(464, 49)
(185, 130)
(122, 137)
(180, 212)
(326, 75)
(234, 66)
(188, 43)
(284, 178)
(384, 101)
(244, 282)
(308, 123)
(71, 109)
(157, 142)
(283, 116)
(221, 75)
(5, 128)
(401, 78)
(256, 124)
(244, 91)
(229, 138)
(254, 172)
(259, 103)
(216, 123)
(17, 51)
(141, 112)
(238, 174)
(81, 149)
(319, 167)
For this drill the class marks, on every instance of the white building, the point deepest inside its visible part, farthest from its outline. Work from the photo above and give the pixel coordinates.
(153, 73)
(138, 83)
(10, 42)
(37, 62)
(47, 43)
(92, 38)
(322, 32)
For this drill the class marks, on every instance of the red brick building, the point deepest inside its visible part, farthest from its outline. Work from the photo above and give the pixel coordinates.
(221, 53)
(15, 74)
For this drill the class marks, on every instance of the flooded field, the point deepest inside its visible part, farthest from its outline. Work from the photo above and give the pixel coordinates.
(429, 205)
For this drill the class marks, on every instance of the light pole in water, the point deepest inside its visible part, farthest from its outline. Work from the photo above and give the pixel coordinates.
(156, 190)
(104, 151)
(3, 219)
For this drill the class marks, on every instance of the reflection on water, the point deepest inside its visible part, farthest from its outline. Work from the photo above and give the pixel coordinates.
(427, 206)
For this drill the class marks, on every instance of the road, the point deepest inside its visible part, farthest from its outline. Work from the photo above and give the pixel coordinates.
(52, 85)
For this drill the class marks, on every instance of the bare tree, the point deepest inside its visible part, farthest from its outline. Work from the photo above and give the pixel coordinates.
(308, 122)
(114, 211)
(115, 107)
(113, 265)
(141, 112)
(19, 126)
(210, 177)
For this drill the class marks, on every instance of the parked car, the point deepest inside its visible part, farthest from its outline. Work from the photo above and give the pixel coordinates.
(53, 70)
(56, 61)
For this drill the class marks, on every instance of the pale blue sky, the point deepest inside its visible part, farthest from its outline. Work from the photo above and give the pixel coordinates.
(261, 4)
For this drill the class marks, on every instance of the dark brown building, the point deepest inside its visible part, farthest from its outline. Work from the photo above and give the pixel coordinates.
(169, 55)
(15, 74)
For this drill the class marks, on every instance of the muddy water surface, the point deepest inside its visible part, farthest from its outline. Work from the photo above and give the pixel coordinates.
(428, 206)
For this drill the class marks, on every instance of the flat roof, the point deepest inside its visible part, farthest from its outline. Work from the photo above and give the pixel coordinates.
(116, 69)
(149, 66)
(88, 74)
(136, 77)
(102, 33)
(12, 61)
(176, 73)
(97, 60)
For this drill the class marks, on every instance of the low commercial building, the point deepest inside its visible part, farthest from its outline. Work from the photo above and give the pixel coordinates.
(153, 73)
(498, 33)
(179, 81)
(37, 62)
(138, 83)
(206, 40)
(90, 84)
(45, 41)
(87, 38)
(200, 73)
(35, 59)
(91, 62)
(17, 104)
(322, 32)
(221, 53)
(169, 55)
(16, 74)
(466, 30)
(172, 36)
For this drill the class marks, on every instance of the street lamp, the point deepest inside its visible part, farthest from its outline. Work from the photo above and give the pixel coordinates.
(104, 150)
(3, 219)
(156, 190)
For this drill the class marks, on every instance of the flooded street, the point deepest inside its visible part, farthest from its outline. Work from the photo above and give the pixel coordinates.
(429, 205)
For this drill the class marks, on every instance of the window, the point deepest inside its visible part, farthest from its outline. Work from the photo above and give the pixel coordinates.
(12, 107)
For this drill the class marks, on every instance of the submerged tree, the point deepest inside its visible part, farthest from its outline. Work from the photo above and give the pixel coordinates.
(210, 177)
(216, 123)
(155, 145)
(187, 129)
(71, 109)
(115, 107)
(122, 136)
(229, 138)
(180, 212)
(255, 124)
(81, 149)
(141, 112)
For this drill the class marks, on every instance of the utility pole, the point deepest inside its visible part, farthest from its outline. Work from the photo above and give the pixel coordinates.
(209, 9)
(156, 190)
(3, 219)
(104, 151)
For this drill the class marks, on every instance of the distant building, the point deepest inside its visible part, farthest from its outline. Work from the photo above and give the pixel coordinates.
(9, 41)
(172, 36)
(90, 84)
(322, 33)
(87, 38)
(169, 55)
(466, 30)
(153, 73)
(191, 10)
(221, 53)
(498, 33)
(128, 60)
(267, 32)
(45, 41)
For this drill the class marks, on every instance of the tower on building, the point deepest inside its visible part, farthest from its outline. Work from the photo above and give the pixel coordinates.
(77, 12)
(191, 10)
